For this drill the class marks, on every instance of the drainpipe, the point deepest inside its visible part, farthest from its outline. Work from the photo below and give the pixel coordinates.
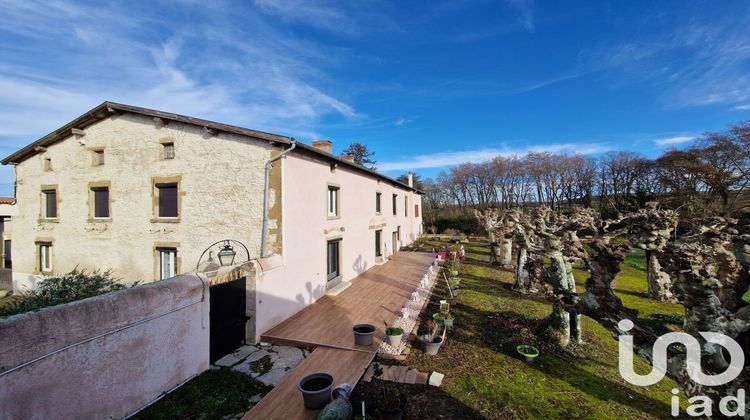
(264, 233)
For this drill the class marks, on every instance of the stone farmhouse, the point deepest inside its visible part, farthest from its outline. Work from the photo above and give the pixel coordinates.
(146, 193)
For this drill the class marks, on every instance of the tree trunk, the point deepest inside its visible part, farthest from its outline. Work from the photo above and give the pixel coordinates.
(659, 283)
(564, 326)
(522, 276)
(506, 251)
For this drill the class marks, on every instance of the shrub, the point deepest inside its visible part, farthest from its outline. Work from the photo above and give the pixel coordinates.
(76, 285)
(463, 223)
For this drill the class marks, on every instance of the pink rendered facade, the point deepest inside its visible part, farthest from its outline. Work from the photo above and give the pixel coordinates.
(300, 275)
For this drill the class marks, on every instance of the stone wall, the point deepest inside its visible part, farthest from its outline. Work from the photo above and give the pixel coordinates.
(106, 356)
(220, 182)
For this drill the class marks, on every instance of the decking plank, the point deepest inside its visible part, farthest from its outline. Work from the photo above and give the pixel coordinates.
(285, 400)
(374, 296)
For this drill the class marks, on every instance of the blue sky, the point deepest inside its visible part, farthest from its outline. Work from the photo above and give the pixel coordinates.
(425, 85)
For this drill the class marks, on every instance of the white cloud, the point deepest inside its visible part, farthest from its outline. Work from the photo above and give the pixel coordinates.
(232, 67)
(698, 61)
(400, 121)
(673, 141)
(526, 17)
(446, 159)
(743, 107)
(338, 17)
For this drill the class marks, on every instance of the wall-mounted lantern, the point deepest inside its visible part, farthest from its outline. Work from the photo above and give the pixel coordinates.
(226, 254)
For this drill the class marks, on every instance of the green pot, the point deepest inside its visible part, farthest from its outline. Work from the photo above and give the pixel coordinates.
(530, 353)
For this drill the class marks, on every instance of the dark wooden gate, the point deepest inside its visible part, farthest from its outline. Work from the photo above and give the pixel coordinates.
(227, 318)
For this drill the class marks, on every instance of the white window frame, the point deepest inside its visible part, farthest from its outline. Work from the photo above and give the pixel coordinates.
(333, 201)
(45, 258)
(168, 256)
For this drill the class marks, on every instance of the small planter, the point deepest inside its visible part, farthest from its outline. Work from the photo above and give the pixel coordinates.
(363, 334)
(432, 344)
(444, 319)
(454, 273)
(316, 390)
(530, 353)
(392, 413)
(394, 336)
(454, 282)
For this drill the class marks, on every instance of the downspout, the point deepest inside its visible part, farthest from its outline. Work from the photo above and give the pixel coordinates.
(264, 233)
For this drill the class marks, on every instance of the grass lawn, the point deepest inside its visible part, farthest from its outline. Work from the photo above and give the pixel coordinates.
(486, 378)
(212, 395)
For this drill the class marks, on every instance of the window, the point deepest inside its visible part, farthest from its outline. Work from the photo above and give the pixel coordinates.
(378, 243)
(98, 157)
(416, 210)
(332, 259)
(333, 201)
(45, 257)
(167, 262)
(50, 203)
(406, 206)
(394, 204)
(47, 164)
(101, 202)
(168, 202)
(168, 150)
(377, 202)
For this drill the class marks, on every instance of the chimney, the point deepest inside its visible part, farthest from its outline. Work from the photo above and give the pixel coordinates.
(324, 145)
(350, 158)
(410, 177)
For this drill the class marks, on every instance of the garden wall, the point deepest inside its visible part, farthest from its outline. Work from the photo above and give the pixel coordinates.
(106, 356)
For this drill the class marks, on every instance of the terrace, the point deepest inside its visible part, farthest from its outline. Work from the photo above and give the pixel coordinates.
(374, 297)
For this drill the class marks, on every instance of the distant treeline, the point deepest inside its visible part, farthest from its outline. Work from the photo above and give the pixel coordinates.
(708, 178)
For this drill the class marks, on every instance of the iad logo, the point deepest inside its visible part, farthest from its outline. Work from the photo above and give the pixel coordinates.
(701, 404)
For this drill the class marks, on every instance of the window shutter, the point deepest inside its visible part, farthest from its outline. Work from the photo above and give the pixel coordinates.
(167, 200)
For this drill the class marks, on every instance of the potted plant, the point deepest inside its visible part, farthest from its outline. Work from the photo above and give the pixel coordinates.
(394, 335)
(529, 352)
(316, 389)
(363, 334)
(390, 404)
(431, 340)
(445, 319)
(454, 270)
(453, 282)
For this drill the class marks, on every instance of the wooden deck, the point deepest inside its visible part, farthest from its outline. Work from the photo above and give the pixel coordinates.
(374, 296)
(285, 400)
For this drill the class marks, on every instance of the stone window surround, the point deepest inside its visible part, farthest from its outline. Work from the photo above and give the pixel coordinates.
(338, 201)
(158, 246)
(90, 201)
(164, 142)
(38, 243)
(95, 156)
(43, 203)
(338, 279)
(176, 179)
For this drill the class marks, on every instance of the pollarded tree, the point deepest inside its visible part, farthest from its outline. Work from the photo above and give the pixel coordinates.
(650, 230)
(696, 284)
